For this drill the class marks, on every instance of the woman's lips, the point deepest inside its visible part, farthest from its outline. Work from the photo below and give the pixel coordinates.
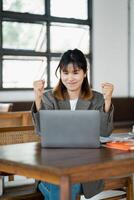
(72, 83)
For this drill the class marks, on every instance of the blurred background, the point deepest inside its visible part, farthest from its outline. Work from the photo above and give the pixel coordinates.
(34, 34)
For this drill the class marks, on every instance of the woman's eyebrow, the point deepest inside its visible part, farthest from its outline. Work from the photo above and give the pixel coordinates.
(76, 69)
(64, 70)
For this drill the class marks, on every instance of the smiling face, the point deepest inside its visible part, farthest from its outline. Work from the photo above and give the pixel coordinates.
(72, 77)
(73, 82)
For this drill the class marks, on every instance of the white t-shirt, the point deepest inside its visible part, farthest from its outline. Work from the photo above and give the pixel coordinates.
(73, 103)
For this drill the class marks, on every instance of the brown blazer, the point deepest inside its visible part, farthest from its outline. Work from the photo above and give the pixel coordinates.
(49, 102)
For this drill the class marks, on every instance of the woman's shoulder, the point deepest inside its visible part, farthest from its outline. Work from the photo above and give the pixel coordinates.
(48, 100)
(97, 96)
(49, 94)
(48, 97)
(97, 99)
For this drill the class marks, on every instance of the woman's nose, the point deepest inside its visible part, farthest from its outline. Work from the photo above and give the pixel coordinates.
(70, 77)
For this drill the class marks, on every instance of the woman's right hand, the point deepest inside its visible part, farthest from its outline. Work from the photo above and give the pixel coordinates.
(39, 90)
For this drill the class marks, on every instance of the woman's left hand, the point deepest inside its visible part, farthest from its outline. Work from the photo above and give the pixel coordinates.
(107, 91)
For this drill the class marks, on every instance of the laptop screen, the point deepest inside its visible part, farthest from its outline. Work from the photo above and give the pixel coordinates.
(70, 129)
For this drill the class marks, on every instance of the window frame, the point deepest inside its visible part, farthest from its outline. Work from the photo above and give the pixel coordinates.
(36, 18)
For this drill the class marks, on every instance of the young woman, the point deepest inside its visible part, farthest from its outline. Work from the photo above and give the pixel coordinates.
(74, 92)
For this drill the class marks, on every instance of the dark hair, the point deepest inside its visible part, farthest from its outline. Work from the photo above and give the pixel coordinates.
(77, 58)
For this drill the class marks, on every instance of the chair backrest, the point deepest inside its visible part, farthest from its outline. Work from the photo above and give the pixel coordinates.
(14, 135)
(11, 119)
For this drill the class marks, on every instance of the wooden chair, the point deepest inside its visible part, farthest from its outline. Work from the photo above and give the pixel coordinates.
(12, 128)
(121, 184)
(14, 135)
(22, 192)
(18, 134)
(11, 119)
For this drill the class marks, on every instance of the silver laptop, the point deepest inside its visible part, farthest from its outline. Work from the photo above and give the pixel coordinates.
(70, 129)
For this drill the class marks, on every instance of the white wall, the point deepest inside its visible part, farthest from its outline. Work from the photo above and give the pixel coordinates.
(10, 96)
(110, 44)
(132, 46)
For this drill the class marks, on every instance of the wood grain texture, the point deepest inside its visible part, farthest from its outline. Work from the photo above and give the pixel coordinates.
(9, 119)
(77, 165)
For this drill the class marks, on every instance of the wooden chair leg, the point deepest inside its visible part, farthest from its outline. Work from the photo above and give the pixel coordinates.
(129, 189)
(11, 177)
(132, 179)
(78, 197)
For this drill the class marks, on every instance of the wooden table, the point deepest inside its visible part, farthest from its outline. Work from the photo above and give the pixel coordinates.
(65, 166)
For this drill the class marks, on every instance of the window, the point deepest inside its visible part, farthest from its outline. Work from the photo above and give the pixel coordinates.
(17, 71)
(24, 6)
(26, 36)
(34, 34)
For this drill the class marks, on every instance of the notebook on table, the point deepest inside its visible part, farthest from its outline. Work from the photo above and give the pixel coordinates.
(70, 129)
